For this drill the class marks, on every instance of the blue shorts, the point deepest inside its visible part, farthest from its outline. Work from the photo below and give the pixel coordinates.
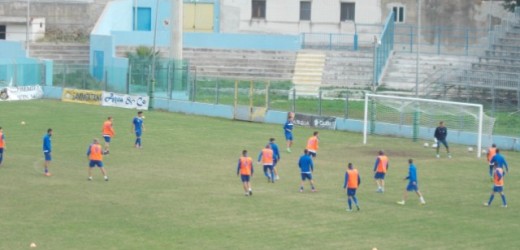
(498, 189)
(443, 141)
(245, 178)
(94, 163)
(351, 191)
(107, 138)
(288, 137)
(138, 133)
(313, 154)
(268, 167)
(274, 162)
(306, 176)
(47, 156)
(412, 187)
(379, 175)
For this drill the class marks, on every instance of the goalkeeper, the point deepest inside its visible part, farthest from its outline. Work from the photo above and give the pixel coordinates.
(441, 132)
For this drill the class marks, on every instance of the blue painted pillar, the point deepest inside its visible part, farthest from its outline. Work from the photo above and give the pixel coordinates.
(48, 72)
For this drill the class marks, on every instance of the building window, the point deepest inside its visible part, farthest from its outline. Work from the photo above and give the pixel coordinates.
(258, 9)
(305, 10)
(398, 14)
(348, 12)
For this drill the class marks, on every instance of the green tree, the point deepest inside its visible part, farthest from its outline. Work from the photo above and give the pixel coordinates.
(140, 63)
(511, 4)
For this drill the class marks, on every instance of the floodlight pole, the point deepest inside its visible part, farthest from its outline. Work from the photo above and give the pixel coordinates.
(135, 15)
(418, 48)
(151, 88)
(176, 43)
(28, 24)
(416, 115)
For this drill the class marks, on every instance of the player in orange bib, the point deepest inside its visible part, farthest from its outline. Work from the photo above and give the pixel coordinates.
(492, 151)
(95, 156)
(245, 169)
(352, 182)
(267, 160)
(380, 168)
(498, 187)
(108, 133)
(2, 145)
(312, 144)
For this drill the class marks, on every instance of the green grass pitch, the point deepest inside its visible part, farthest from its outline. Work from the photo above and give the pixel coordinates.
(180, 191)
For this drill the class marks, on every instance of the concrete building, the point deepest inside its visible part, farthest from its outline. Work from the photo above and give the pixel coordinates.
(16, 29)
(298, 16)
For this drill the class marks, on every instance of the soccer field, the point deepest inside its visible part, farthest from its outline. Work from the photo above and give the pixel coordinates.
(180, 191)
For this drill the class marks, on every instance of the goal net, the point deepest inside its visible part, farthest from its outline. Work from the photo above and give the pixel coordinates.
(417, 119)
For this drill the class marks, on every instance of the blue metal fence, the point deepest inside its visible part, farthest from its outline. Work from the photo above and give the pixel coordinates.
(440, 40)
(383, 48)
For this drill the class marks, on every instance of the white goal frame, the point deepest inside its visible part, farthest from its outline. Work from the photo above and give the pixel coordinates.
(479, 106)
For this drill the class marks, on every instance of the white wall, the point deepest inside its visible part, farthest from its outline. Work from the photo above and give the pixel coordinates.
(282, 17)
(17, 31)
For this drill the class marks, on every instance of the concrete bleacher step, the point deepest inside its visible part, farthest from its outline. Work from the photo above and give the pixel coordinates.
(509, 40)
(505, 54)
(505, 47)
(308, 72)
(61, 53)
(348, 69)
(499, 67)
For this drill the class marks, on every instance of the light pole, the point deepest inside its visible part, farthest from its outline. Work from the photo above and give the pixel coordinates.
(151, 88)
(135, 15)
(416, 116)
(28, 23)
(418, 48)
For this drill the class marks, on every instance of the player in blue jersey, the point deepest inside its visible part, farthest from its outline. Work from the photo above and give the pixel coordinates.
(276, 157)
(47, 149)
(412, 184)
(499, 160)
(138, 128)
(288, 130)
(306, 169)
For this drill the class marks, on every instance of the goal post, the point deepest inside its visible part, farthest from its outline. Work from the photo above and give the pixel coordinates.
(417, 118)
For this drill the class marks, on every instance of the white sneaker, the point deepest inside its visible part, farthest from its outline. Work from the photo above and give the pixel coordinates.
(277, 177)
(400, 202)
(449, 156)
(348, 210)
(504, 206)
(486, 204)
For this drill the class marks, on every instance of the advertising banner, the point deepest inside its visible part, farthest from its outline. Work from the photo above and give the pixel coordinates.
(21, 93)
(125, 101)
(322, 122)
(82, 96)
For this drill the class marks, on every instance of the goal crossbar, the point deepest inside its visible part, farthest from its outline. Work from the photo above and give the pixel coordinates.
(412, 99)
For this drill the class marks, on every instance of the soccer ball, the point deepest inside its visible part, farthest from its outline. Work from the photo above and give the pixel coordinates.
(22, 123)
(426, 145)
(470, 149)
